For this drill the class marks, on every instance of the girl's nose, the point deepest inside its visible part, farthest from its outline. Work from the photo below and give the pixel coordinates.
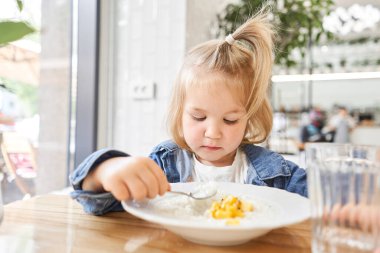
(213, 131)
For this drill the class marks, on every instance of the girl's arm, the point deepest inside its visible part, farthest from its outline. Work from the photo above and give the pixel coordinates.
(93, 179)
(127, 178)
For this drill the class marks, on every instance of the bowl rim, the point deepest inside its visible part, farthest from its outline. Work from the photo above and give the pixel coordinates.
(131, 207)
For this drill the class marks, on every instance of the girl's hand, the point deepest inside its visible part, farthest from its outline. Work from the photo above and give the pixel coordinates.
(128, 178)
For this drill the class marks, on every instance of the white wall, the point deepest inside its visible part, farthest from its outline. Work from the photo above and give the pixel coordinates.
(147, 41)
(150, 44)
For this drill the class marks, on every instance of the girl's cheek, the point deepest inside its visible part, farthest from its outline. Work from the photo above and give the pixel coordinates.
(191, 128)
(194, 131)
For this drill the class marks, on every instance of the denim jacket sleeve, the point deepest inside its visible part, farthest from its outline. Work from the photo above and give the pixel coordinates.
(92, 202)
(268, 168)
(297, 182)
(294, 181)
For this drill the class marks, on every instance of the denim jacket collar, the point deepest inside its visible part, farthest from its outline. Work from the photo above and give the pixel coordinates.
(258, 157)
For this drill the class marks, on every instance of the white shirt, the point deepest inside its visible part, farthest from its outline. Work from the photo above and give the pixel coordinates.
(236, 172)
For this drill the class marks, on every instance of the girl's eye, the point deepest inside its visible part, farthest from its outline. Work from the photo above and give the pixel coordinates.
(230, 122)
(198, 118)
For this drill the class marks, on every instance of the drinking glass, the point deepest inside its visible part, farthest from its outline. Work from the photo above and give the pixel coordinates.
(344, 189)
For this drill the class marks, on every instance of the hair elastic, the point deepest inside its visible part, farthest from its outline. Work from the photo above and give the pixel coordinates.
(229, 39)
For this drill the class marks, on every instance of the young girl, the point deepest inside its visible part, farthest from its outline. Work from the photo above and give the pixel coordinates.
(219, 110)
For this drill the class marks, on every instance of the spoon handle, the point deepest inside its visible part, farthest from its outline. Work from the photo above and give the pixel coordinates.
(182, 193)
(191, 195)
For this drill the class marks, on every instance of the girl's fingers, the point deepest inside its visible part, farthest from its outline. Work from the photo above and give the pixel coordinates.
(134, 178)
(137, 188)
(120, 191)
(150, 182)
(160, 176)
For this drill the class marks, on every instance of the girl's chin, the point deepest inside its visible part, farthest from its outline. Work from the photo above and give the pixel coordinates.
(214, 160)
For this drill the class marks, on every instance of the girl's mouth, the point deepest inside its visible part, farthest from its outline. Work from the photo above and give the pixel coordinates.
(211, 148)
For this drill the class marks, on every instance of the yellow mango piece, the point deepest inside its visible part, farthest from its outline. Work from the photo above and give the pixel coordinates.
(230, 207)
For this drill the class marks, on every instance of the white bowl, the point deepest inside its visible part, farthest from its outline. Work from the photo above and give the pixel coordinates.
(286, 209)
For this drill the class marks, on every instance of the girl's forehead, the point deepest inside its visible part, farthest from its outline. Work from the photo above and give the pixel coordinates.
(218, 102)
(213, 96)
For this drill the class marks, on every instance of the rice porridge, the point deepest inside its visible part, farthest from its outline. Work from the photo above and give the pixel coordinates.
(182, 207)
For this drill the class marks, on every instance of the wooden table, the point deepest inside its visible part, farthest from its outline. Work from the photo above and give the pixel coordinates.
(56, 223)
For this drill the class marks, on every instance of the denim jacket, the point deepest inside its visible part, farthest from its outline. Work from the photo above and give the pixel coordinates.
(265, 168)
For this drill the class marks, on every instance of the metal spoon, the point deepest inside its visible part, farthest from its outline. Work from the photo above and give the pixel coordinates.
(193, 196)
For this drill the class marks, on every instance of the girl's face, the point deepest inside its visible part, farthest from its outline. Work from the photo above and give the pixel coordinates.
(213, 124)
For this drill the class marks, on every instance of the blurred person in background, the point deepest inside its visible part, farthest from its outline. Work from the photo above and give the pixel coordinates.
(312, 131)
(9, 108)
(6, 120)
(340, 124)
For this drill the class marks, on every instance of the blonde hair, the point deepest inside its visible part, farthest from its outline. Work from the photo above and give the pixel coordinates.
(245, 66)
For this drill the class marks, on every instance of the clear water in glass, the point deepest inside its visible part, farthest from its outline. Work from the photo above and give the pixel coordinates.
(344, 189)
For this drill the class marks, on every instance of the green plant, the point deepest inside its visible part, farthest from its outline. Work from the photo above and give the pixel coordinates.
(11, 30)
(329, 65)
(299, 24)
(343, 62)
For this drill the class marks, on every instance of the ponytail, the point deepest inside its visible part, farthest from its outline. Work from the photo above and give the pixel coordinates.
(254, 37)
